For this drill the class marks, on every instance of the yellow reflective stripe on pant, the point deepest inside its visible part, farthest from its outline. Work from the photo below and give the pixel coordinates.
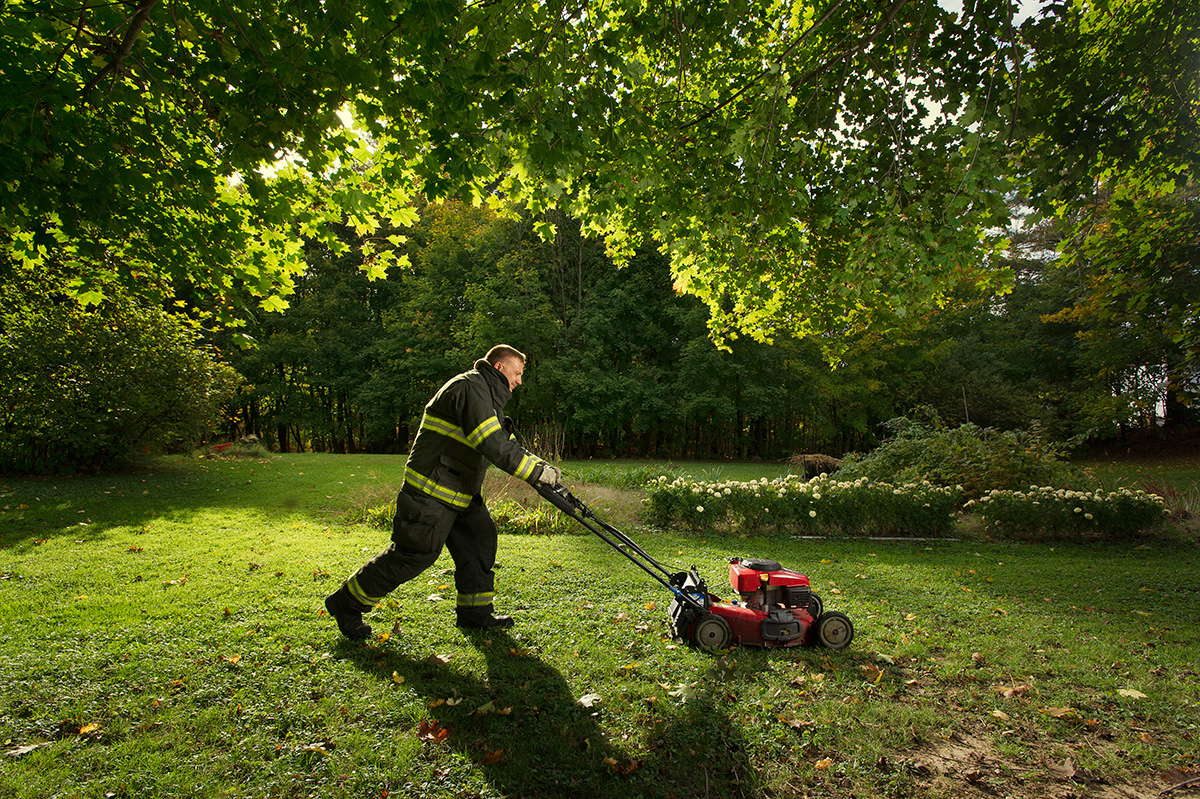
(356, 591)
(439, 492)
(476, 600)
(449, 429)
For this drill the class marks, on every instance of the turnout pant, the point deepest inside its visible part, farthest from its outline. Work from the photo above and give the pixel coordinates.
(420, 528)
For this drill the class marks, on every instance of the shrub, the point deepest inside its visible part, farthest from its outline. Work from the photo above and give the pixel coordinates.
(822, 506)
(1042, 511)
(978, 459)
(82, 389)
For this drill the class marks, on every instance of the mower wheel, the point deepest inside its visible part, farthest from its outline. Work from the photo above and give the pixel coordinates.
(711, 633)
(834, 630)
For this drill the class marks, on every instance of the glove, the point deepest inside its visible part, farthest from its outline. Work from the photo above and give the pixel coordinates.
(550, 476)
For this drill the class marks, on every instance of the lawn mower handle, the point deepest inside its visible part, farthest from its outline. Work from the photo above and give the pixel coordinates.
(560, 497)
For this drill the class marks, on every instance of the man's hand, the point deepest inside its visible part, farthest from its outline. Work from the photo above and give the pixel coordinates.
(551, 475)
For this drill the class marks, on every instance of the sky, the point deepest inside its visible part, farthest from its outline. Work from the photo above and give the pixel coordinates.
(1028, 8)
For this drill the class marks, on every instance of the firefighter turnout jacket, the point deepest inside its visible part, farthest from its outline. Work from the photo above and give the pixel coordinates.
(461, 432)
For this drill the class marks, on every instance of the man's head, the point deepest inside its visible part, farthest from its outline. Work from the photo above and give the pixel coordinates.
(509, 361)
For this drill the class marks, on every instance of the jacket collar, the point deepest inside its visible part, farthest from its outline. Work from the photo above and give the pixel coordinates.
(497, 382)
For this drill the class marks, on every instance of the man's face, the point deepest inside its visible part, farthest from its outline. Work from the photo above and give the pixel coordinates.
(512, 369)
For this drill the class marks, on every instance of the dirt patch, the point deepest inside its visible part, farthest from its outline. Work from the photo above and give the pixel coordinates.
(967, 765)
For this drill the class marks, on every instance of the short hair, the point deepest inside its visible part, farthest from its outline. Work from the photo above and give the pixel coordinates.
(503, 352)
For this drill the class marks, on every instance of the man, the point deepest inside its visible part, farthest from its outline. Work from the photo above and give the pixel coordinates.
(463, 429)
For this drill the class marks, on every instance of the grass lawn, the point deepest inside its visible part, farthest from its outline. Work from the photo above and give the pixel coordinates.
(163, 635)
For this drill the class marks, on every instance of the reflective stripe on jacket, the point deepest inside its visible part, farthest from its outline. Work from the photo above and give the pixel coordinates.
(461, 432)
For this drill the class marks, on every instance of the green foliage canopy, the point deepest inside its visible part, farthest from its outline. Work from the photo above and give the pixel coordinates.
(809, 166)
(1112, 118)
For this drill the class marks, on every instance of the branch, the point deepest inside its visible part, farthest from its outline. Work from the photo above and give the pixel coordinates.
(765, 72)
(135, 27)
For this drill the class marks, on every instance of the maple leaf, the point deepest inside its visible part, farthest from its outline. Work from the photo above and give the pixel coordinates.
(684, 693)
(493, 757)
(431, 731)
(396, 678)
(437, 660)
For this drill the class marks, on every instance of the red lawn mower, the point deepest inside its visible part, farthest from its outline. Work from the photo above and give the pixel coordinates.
(777, 606)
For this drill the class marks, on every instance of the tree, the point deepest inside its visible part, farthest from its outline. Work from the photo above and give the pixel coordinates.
(808, 166)
(1112, 117)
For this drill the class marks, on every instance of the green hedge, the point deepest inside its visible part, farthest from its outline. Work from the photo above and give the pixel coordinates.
(822, 506)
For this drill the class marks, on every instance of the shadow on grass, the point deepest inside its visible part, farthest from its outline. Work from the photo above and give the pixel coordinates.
(528, 735)
(90, 506)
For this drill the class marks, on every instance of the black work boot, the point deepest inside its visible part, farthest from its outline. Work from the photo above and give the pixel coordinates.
(481, 618)
(347, 612)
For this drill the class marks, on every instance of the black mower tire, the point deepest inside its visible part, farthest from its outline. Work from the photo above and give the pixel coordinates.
(815, 607)
(834, 630)
(711, 633)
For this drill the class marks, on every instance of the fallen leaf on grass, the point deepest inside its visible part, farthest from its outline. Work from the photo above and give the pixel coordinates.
(431, 731)
(684, 693)
(588, 700)
(1000, 714)
(490, 707)
(1062, 771)
(88, 729)
(1132, 693)
(318, 748)
(493, 757)
(232, 660)
(624, 769)
(1060, 712)
(1009, 691)
(437, 660)
(797, 724)
(823, 764)
(24, 750)
(871, 672)
(396, 678)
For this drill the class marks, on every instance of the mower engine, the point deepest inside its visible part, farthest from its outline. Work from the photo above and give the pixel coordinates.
(777, 608)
